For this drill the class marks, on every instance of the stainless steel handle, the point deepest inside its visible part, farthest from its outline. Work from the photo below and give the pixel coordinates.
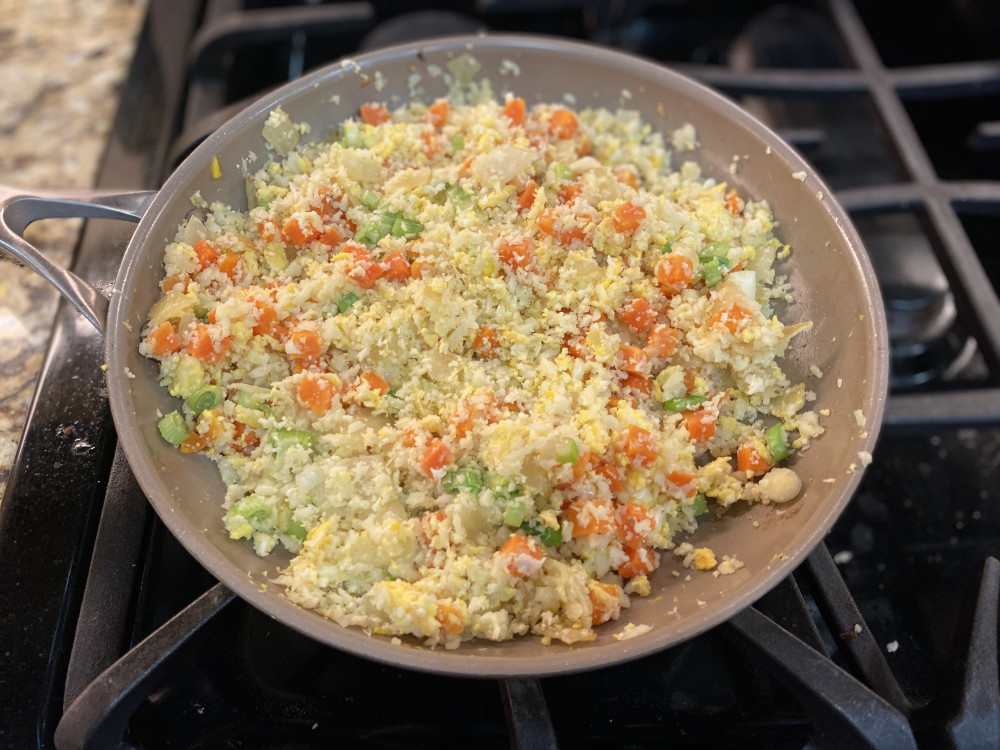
(18, 210)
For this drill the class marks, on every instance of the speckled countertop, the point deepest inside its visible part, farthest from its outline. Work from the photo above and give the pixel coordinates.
(62, 65)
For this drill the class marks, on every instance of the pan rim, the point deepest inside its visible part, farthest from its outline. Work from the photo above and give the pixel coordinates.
(468, 663)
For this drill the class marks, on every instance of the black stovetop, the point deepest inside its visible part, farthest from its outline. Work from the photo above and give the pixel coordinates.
(904, 126)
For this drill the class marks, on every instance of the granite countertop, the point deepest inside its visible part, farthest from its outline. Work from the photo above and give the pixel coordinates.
(63, 63)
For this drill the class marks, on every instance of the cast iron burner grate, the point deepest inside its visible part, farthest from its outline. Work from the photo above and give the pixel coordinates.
(113, 632)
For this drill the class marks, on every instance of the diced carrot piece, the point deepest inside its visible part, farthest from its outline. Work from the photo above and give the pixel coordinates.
(583, 147)
(642, 560)
(570, 231)
(661, 341)
(637, 386)
(591, 516)
(690, 376)
(700, 425)
(633, 359)
(172, 282)
(316, 392)
(523, 555)
(396, 267)
(640, 446)
(376, 382)
(374, 114)
(749, 458)
(268, 230)
(229, 264)
(468, 414)
(563, 124)
(206, 252)
(163, 339)
(674, 273)
(193, 443)
(450, 617)
(569, 191)
(431, 143)
(431, 531)
(734, 318)
(515, 111)
(682, 484)
(266, 318)
(298, 234)
(420, 269)
(605, 598)
(517, 252)
(437, 456)
(305, 343)
(546, 222)
(202, 346)
(638, 314)
(734, 204)
(331, 237)
(635, 523)
(627, 217)
(527, 196)
(365, 271)
(437, 113)
(611, 473)
(627, 176)
(487, 342)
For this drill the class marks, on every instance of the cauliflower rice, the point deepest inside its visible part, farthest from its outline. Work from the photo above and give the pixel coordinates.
(476, 365)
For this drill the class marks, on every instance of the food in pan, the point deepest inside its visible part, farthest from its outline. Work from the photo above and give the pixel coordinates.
(478, 365)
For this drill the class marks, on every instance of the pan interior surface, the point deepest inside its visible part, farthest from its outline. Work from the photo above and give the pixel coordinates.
(828, 270)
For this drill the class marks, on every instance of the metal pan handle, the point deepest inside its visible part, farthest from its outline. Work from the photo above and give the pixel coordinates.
(18, 210)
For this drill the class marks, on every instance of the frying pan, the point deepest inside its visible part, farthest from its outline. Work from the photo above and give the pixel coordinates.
(828, 269)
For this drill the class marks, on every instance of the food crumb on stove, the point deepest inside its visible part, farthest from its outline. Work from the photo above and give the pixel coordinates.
(756, 524)
(685, 138)
(687, 578)
(767, 150)
(396, 642)
(129, 374)
(800, 176)
(819, 195)
(857, 628)
(703, 558)
(851, 468)
(104, 368)
(866, 458)
(859, 418)
(844, 556)
(824, 412)
(675, 573)
(632, 631)
(840, 383)
(626, 95)
(315, 725)
(701, 603)
(673, 611)
(335, 99)
(892, 646)
(816, 371)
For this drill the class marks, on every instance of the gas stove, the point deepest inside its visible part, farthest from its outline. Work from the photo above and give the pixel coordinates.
(886, 637)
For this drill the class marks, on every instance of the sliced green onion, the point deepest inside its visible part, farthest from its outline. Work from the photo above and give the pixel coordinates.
(562, 172)
(712, 272)
(683, 403)
(201, 312)
(282, 439)
(513, 514)
(457, 143)
(351, 136)
(249, 400)
(460, 197)
(369, 200)
(777, 443)
(205, 398)
(469, 480)
(369, 234)
(699, 504)
(251, 508)
(295, 529)
(345, 302)
(503, 487)
(546, 534)
(551, 537)
(568, 451)
(407, 228)
(668, 247)
(173, 428)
